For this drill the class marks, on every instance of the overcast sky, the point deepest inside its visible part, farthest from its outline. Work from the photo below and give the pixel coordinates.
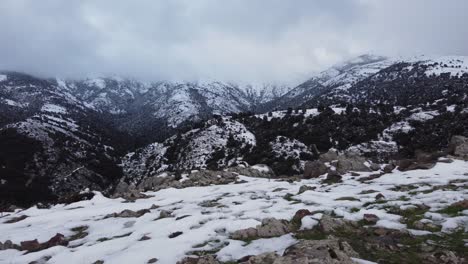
(233, 40)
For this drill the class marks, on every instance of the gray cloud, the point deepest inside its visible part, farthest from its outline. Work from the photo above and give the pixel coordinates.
(233, 40)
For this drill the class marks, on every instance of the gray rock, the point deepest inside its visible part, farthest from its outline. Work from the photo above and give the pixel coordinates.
(375, 166)
(458, 146)
(328, 251)
(305, 188)
(209, 259)
(129, 224)
(129, 213)
(252, 172)
(270, 227)
(314, 169)
(244, 234)
(328, 224)
(330, 156)
(388, 168)
(9, 245)
(351, 162)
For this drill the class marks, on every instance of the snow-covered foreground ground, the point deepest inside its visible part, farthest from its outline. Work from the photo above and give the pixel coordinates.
(207, 215)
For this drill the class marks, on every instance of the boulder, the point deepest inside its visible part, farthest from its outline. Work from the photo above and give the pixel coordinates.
(458, 146)
(330, 156)
(328, 224)
(245, 234)
(272, 227)
(370, 219)
(351, 162)
(375, 166)
(388, 168)
(314, 169)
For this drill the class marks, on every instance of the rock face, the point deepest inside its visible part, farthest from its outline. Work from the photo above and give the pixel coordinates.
(270, 227)
(314, 169)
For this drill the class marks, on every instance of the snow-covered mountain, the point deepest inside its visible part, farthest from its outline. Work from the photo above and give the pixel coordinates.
(370, 77)
(62, 136)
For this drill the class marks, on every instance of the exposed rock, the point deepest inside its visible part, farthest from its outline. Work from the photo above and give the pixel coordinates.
(175, 234)
(314, 169)
(16, 219)
(165, 214)
(411, 164)
(129, 224)
(328, 224)
(129, 213)
(445, 257)
(463, 204)
(296, 220)
(305, 188)
(330, 156)
(9, 245)
(375, 166)
(199, 260)
(265, 258)
(328, 251)
(57, 240)
(264, 172)
(388, 168)
(379, 197)
(370, 218)
(34, 245)
(30, 245)
(270, 227)
(333, 178)
(153, 260)
(459, 146)
(351, 162)
(76, 197)
(245, 234)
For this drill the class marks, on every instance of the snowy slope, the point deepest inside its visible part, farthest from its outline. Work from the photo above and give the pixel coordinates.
(242, 205)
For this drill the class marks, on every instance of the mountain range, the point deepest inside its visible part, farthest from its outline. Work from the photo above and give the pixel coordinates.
(59, 137)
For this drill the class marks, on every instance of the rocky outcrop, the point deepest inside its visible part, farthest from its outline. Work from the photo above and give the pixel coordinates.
(328, 251)
(199, 260)
(166, 180)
